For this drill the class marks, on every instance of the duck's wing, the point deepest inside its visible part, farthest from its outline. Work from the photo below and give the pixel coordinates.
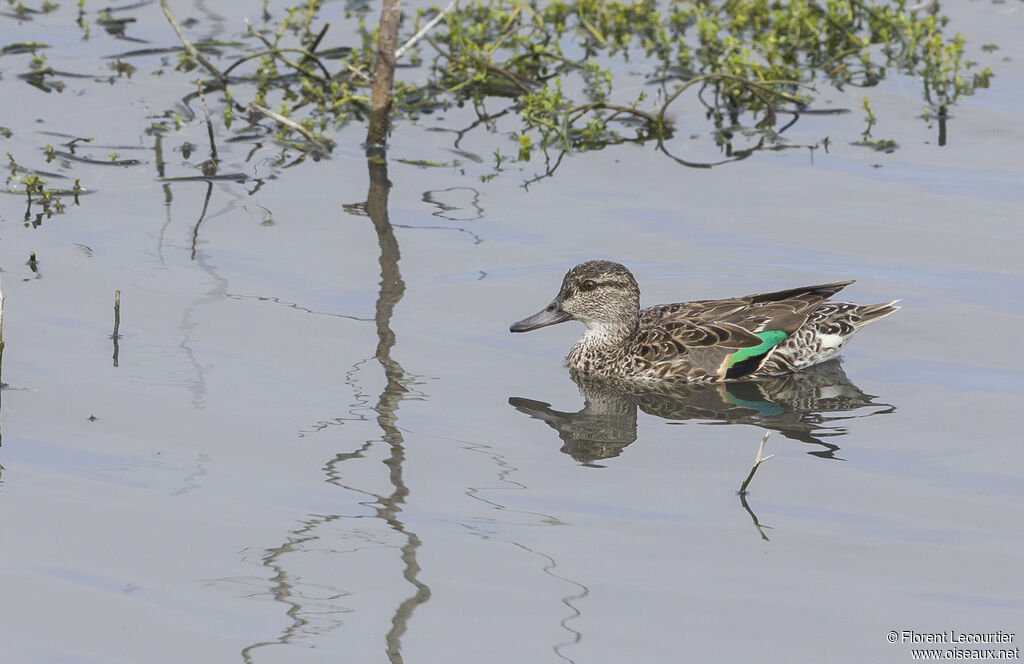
(751, 312)
(690, 351)
(725, 338)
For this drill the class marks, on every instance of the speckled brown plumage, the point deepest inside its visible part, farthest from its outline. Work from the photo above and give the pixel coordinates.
(701, 341)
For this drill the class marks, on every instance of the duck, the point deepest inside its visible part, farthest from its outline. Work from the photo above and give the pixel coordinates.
(704, 341)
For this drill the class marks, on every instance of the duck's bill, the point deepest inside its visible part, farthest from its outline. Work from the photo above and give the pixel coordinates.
(550, 315)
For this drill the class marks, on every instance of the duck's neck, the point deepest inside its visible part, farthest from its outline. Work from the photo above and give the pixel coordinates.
(600, 344)
(606, 334)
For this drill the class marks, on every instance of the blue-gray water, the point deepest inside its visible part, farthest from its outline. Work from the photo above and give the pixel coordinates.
(271, 476)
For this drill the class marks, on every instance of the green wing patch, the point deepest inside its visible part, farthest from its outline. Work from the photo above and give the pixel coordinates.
(746, 360)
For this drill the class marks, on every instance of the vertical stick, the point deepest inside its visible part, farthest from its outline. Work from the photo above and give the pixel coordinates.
(210, 166)
(383, 78)
(942, 125)
(117, 322)
(188, 45)
(758, 460)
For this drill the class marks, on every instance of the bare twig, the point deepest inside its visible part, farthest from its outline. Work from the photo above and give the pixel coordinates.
(758, 460)
(424, 30)
(324, 80)
(117, 323)
(655, 122)
(291, 124)
(192, 50)
(209, 128)
(117, 314)
(307, 54)
(319, 38)
(357, 72)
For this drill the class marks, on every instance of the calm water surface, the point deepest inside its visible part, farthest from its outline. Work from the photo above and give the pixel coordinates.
(320, 443)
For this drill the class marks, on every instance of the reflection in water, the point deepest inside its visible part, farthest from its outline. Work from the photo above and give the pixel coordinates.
(304, 609)
(202, 215)
(392, 287)
(451, 208)
(758, 460)
(805, 406)
(550, 568)
(549, 564)
(299, 598)
(447, 207)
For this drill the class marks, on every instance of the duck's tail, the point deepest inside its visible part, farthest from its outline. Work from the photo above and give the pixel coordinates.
(826, 331)
(868, 313)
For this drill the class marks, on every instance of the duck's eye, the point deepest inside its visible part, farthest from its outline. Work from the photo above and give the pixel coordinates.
(588, 285)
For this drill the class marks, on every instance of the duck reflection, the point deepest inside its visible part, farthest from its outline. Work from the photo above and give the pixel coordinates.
(807, 406)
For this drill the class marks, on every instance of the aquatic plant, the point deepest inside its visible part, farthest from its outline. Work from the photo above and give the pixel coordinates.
(560, 66)
(39, 196)
(542, 79)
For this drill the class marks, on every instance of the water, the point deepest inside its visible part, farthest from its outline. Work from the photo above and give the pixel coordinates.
(291, 462)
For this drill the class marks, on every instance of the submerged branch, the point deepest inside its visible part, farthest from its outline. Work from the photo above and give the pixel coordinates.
(656, 122)
(209, 167)
(297, 66)
(192, 50)
(483, 62)
(291, 124)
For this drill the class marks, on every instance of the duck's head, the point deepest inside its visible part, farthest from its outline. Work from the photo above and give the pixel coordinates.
(600, 294)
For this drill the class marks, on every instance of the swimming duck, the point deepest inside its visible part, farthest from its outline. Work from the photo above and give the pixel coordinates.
(705, 341)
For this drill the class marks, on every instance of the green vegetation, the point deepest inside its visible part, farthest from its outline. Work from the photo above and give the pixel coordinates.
(879, 145)
(41, 201)
(552, 77)
(588, 74)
